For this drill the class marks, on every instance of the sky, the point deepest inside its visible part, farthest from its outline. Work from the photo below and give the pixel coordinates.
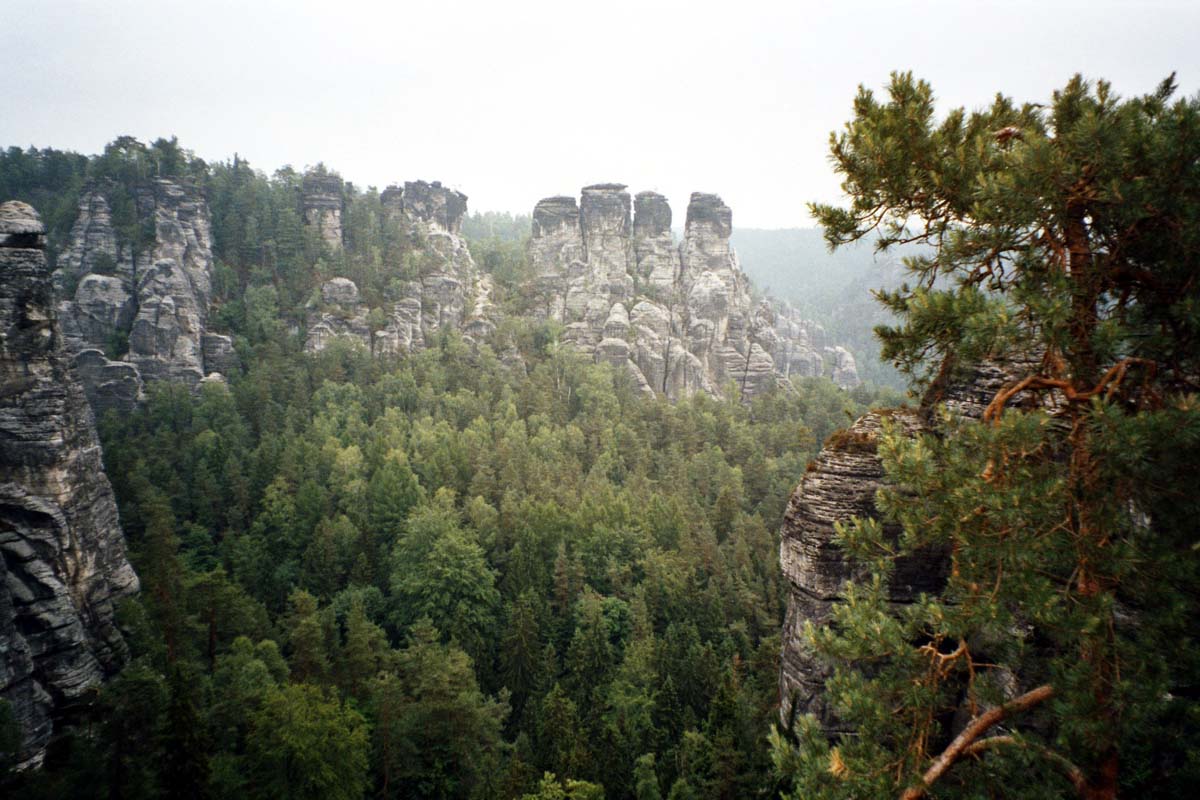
(510, 102)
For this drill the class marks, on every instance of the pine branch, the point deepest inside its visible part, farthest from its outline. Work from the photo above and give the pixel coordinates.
(1074, 774)
(971, 733)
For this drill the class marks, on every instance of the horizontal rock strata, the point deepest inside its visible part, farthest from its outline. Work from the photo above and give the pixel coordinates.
(62, 554)
(841, 483)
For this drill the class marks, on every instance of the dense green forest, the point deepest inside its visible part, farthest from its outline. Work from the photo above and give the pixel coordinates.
(429, 577)
(454, 576)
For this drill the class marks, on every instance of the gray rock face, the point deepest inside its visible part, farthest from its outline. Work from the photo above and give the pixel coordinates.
(321, 201)
(103, 308)
(655, 254)
(109, 385)
(841, 483)
(148, 309)
(219, 355)
(340, 292)
(341, 314)
(434, 204)
(62, 554)
(692, 326)
(93, 247)
(792, 341)
(845, 371)
(449, 292)
(165, 342)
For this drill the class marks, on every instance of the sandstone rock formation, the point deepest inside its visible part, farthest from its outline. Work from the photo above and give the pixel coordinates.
(444, 291)
(793, 343)
(841, 483)
(133, 315)
(679, 318)
(62, 554)
(321, 201)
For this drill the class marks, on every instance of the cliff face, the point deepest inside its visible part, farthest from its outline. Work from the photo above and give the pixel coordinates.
(321, 201)
(447, 291)
(841, 483)
(679, 318)
(147, 309)
(62, 554)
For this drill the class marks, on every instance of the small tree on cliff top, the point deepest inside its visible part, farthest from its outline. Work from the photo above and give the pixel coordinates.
(1060, 659)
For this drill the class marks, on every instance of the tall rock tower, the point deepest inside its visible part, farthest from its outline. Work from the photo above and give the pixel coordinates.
(62, 554)
(678, 318)
(322, 203)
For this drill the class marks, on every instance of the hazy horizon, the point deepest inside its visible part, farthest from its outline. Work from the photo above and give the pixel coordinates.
(510, 104)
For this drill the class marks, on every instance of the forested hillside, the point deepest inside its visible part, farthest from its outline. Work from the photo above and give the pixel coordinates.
(435, 576)
(408, 520)
(831, 287)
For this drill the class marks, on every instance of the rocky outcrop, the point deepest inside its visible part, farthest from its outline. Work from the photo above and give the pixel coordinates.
(341, 314)
(219, 355)
(431, 203)
(109, 385)
(165, 342)
(655, 254)
(792, 341)
(137, 315)
(93, 247)
(678, 317)
(62, 555)
(321, 203)
(444, 290)
(845, 370)
(841, 483)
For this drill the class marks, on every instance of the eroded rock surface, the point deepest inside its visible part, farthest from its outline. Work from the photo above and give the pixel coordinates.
(841, 483)
(136, 315)
(447, 291)
(321, 201)
(62, 554)
(678, 317)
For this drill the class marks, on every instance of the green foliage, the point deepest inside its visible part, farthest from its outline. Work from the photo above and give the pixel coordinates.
(551, 788)
(645, 779)
(304, 743)
(504, 572)
(1064, 244)
(435, 727)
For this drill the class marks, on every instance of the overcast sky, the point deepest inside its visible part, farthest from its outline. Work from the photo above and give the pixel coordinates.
(514, 101)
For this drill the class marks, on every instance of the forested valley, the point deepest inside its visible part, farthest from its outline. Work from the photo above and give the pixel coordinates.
(415, 504)
(431, 576)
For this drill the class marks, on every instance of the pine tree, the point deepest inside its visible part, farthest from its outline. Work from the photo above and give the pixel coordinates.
(304, 743)
(1064, 244)
(521, 649)
(185, 748)
(309, 657)
(645, 781)
(361, 652)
